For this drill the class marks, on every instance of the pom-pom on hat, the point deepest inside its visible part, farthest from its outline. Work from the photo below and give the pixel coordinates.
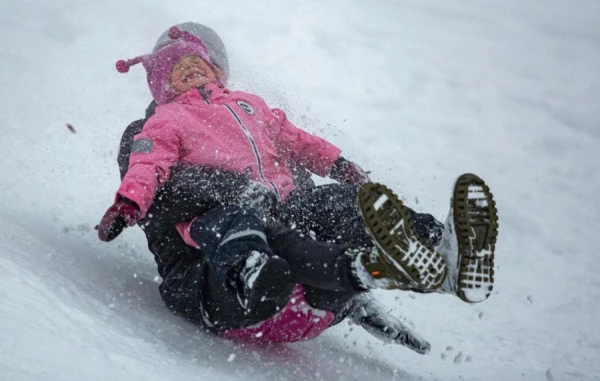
(159, 63)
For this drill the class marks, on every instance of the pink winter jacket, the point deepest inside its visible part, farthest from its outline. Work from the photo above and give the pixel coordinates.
(233, 131)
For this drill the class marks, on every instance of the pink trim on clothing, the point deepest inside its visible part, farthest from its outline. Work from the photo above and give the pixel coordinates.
(184, 231)
(297, 321)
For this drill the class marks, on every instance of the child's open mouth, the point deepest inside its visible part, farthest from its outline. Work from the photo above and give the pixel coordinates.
(191, 76)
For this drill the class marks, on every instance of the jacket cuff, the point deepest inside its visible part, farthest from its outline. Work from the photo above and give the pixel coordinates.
(326, 161)
(137, 194)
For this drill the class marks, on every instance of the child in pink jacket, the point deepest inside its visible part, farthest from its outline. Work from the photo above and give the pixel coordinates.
(252, 276)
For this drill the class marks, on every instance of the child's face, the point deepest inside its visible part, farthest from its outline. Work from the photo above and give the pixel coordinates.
(189, 73)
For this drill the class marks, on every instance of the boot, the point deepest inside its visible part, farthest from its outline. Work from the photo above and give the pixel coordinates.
(469, 240)
(400, 258)
(262, 279)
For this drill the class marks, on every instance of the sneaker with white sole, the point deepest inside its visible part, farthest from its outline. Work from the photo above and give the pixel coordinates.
(401, 259)
(469, 240)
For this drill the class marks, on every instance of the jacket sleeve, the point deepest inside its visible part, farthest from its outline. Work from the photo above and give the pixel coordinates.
(125, 146)
(127, 139)
(307, 150)
(153, 152)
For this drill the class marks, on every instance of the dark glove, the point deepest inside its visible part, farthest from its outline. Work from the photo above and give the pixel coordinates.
(347, 172)
(365, 311)
(121, 214)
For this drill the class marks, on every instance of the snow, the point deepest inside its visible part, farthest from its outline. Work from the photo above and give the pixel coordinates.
(479, 294)
(416, 91)
(252, 262)
(380, 201)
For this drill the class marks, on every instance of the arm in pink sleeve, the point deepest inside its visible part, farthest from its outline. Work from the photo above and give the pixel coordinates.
(311, 152)
(153, 152)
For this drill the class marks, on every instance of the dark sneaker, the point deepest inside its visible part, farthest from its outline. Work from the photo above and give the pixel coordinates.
(404, 260)
(470, 240)
(262, 279)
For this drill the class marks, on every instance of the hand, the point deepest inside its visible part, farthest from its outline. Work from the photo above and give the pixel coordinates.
(121, 214)
(365, 311)
(348, 172)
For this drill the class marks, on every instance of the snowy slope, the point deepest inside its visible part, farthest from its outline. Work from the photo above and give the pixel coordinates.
(416, 91)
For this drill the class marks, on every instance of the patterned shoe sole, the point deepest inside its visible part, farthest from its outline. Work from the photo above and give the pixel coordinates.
(390, 225)
(476, 224)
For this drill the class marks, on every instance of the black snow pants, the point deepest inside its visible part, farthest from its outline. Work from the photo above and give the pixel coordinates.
(329, 213)
(325, 221)
(226, 236)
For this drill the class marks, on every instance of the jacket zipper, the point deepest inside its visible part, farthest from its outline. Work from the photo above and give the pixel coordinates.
(250, 139)
(255, 150)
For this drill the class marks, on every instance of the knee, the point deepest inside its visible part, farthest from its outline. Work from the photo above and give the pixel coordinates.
(241, 216)
(218, 224)
(243, 223)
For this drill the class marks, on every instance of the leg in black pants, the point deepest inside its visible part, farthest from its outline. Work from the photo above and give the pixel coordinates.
(203, 287)
(227, 236)
(330, 212)
(207, 288)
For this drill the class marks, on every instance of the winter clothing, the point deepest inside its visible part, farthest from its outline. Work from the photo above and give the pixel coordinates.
(331, 213)
(364, 310)
(302, 178)
(469, 240)
(126, 143)
(323, 269)
(347, 172)
(216, 49)
(191, 192)
(178, 166)
(313, 263)
(409, 262)
(118, 216)
(190, 287)
(297, 322)
(231, 131)
(229, 237)
(262, 277)
(159, 64)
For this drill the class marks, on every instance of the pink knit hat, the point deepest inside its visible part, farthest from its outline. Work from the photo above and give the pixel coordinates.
(159, 64)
